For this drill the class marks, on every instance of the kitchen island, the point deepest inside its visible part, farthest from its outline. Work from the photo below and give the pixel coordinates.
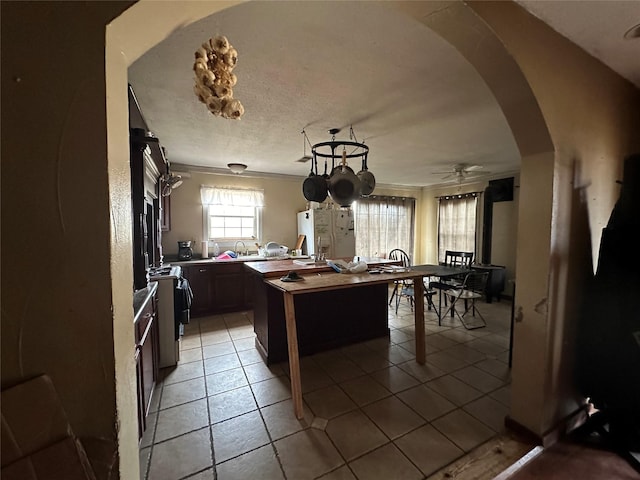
(312, 285)
(329, 318)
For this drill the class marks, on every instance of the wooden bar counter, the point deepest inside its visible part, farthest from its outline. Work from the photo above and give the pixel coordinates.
(332, 317)
(313, 286)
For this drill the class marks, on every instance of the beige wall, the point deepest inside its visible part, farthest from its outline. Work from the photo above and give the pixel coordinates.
(504, 228)
(593, 116)
(283, 200)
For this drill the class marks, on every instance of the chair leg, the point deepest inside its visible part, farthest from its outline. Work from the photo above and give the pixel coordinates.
(393, 294)
(473, 310)
(429, 297)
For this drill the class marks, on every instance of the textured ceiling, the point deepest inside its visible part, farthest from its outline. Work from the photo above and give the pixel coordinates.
(415, 101)
(598, 27)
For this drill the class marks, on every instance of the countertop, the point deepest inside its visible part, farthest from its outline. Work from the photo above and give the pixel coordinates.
(333, 281)
(275, 268)
(242, 259)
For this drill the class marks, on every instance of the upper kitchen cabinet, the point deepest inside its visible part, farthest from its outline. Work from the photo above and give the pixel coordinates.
(147, 162)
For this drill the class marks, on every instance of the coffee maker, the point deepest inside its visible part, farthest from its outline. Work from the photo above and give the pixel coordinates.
(185, 252)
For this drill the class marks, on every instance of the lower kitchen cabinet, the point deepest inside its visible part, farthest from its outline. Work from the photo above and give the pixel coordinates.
(146, 350)
(199, 277)
(219, 288)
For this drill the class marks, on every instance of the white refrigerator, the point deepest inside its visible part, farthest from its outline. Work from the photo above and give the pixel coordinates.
(332, 229)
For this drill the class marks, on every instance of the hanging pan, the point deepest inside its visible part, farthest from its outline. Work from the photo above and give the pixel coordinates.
(314, 187)
(344, 185)
(367, 180)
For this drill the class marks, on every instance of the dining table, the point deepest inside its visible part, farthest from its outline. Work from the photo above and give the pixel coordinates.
(322, 282)
(443, 272)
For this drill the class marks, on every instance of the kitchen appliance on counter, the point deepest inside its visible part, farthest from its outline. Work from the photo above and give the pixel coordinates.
(328, 232)
(185, 252)
(174, 305)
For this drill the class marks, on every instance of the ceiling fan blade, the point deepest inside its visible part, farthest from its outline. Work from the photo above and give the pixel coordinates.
(472, 168)
(304, 159)
(476, 175)
(448, 176)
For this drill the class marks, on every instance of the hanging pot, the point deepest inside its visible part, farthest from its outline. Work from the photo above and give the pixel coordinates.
(344, 185)
(314, 187)
(367, 180)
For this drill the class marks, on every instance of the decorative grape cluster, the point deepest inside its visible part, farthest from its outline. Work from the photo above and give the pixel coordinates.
(213, 67)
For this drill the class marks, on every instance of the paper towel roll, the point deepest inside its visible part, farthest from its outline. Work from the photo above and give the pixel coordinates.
(205, 249)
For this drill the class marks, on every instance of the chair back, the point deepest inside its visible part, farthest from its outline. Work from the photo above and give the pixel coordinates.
(399, 254)
(475, 281)
(457, 259)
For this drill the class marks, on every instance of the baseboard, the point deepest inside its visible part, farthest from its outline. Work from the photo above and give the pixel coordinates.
(559, 430)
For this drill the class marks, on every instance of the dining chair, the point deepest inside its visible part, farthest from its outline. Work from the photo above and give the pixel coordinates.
(472, 288)
(452, 258)
(401, 288)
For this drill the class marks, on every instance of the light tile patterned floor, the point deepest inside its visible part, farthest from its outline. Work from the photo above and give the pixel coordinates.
(371, 412)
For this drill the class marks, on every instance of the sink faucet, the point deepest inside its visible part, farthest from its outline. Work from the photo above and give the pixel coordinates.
(235, 248)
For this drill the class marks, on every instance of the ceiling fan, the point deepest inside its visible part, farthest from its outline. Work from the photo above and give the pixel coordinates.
(169, 179)
(461, 171)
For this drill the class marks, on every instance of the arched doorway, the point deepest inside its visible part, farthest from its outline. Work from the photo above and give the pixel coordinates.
(130, 35)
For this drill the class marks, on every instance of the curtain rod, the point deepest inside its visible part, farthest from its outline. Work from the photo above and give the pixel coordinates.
(388, 197)
(460, 195)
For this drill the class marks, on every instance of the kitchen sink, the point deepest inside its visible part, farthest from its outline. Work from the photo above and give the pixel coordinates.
(249, 257)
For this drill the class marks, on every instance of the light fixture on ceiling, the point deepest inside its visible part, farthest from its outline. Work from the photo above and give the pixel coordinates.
(343, 185)
(237, 168)
(461, 172)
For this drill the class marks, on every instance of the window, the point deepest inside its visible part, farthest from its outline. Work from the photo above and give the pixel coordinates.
(457, 224)
(384, 223)
(231, 214)
(231, 221)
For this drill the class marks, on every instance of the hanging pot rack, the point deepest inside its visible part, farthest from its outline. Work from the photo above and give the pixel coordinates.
(328, 149)
(343, 184)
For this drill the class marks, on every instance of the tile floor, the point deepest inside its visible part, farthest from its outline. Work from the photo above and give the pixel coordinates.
(371, 412)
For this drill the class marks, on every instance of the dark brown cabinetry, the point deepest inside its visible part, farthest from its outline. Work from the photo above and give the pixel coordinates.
(331, 319)
(228, 284)
(200, 281)
(219, 288)
(165, 214)
(146, 350)
(147, 161)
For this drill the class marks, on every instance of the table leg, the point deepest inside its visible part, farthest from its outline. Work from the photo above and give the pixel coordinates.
(419, 320)
(294, 359)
